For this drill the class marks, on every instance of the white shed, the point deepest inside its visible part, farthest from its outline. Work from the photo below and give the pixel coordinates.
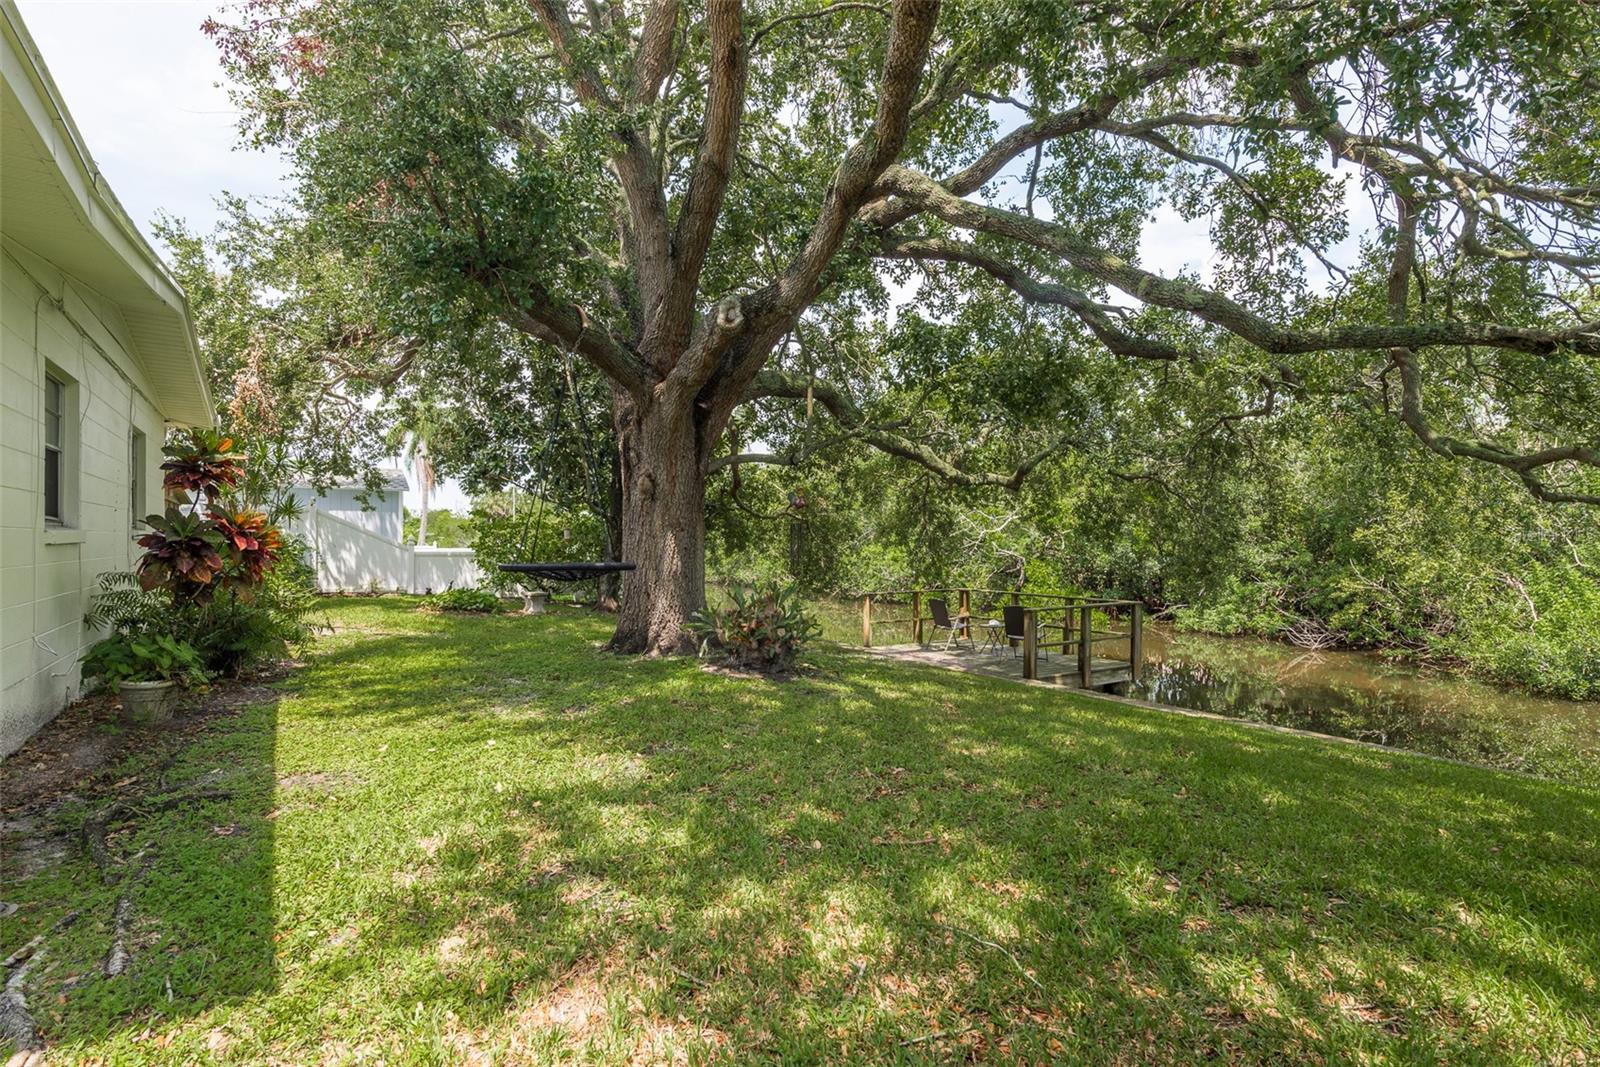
(357, 543)
(381, 512)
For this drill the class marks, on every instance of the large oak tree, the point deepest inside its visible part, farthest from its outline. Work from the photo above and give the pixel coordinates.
(695, 197)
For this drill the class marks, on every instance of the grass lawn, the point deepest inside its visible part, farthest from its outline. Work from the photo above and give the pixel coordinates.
(463, 839)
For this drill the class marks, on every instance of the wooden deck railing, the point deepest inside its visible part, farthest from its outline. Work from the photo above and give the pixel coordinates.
(1076, 625)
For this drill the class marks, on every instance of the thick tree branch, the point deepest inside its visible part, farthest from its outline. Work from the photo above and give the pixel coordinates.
(708, 182)
(772, 382)
(770, 312)
(572, 331)
(1089, 311)
(1214, 307)
(552, 15)
(645, 236)
(1032, 134)
(653, 59)
(1527, 466)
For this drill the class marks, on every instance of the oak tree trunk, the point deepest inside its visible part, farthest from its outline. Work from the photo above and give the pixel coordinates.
(663, 480)
(609, 595)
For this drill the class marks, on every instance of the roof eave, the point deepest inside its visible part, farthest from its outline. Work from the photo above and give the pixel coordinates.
(111, 220)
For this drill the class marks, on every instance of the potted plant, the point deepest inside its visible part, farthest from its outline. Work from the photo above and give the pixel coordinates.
(146, 669)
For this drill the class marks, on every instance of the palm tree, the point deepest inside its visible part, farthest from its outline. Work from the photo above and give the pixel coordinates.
(420, 423)
(422, 467)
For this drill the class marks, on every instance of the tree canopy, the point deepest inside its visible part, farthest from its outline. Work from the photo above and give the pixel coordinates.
(749, 218)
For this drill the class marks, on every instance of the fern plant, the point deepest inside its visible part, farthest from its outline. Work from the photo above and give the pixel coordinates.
(120, 603)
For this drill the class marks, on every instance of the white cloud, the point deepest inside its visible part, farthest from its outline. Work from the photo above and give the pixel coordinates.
(142, 83)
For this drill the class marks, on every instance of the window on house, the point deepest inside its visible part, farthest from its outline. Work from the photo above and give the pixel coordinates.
(135, 478)
(55, 438)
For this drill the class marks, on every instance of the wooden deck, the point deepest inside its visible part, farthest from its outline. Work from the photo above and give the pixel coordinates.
(1057, 638)
(1054, 669)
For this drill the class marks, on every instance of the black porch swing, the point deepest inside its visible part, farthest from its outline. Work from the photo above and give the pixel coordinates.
(568, 572)
(571, 571)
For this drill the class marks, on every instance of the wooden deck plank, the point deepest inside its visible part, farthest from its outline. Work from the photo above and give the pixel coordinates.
(1055, 669)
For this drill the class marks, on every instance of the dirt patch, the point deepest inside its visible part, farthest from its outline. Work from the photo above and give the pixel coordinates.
(749, 674)
(82, 739)
(576, 1006)
(319, 781)
(73, 756)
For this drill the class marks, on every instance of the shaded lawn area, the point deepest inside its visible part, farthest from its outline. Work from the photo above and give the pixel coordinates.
(462, 839)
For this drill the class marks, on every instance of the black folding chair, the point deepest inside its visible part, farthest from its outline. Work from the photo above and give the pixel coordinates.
(1012, 614)
(957, 627)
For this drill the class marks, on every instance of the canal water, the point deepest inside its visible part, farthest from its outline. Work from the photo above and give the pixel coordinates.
(1363, 696)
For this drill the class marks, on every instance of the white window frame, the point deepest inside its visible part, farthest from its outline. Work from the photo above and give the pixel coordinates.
(137, 497)
(57, 387)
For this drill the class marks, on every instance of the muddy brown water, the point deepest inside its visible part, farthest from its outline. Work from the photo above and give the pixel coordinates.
(1348, 694)
(1366, 697)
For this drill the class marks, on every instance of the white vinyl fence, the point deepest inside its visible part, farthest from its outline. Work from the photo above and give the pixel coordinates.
(350, 559)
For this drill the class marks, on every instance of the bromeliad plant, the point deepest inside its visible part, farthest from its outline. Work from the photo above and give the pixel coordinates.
(763, 628)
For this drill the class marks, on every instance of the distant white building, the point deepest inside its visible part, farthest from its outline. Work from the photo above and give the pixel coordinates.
(357, 542)
(381, 512)
(97, 359)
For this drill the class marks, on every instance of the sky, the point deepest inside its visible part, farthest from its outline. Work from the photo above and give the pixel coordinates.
(143, 84)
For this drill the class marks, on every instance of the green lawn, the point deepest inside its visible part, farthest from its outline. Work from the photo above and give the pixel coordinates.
(461, 839)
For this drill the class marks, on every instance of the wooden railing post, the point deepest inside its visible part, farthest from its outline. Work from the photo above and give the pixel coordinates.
(966, 613)
(866, 621)
(1030, 643)
(1136, 642)
(916, 616)
(1085, 644)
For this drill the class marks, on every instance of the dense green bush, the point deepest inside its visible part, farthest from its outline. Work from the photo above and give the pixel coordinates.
(1545, 637)
(1237, 607)
(144, 657)
(232, 632)
(762, 627)
(475, 600)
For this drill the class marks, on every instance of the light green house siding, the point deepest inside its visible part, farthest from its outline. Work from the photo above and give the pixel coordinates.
(47, 571)
(86, 302)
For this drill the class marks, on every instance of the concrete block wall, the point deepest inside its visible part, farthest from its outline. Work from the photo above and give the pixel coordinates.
(48, 572)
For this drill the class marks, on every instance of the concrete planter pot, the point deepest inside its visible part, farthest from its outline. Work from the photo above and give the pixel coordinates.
(148, 702)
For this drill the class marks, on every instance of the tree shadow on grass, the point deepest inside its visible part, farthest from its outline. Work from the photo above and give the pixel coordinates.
(886, 862)
(183, 887)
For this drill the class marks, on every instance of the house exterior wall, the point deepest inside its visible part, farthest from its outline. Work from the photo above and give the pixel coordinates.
(384, 517)
(48, 320)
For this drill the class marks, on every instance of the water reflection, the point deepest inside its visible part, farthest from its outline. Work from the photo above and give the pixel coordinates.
(1361, 696)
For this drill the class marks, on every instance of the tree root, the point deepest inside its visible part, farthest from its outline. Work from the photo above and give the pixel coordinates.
(16, 1021)
(118, 958)
(96, 826)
